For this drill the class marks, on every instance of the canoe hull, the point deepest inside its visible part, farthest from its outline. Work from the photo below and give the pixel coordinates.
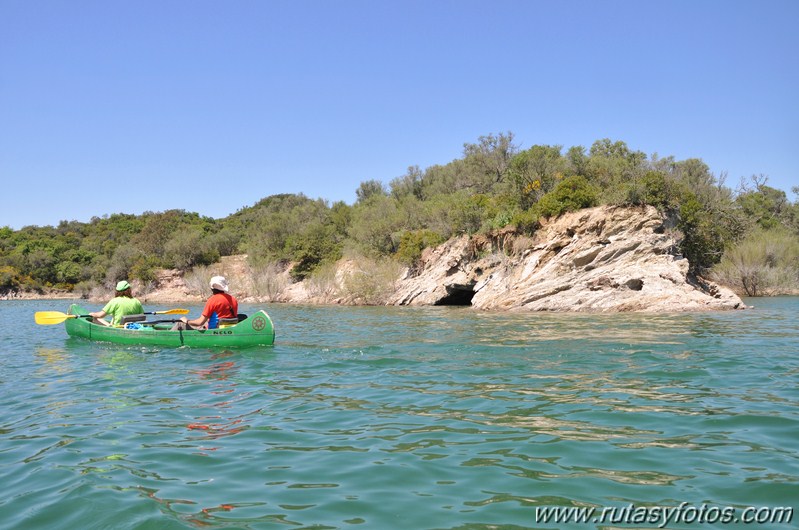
(257, 330)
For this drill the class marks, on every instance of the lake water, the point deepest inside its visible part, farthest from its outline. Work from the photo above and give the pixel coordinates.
(403, 418)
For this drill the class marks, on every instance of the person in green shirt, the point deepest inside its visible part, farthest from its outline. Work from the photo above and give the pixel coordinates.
(122, 304)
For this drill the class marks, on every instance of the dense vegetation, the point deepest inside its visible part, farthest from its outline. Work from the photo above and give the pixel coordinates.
(747, 237)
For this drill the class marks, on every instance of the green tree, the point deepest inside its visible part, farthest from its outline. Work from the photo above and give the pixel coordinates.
(535, 171)
(445, 179)
(315, 245)
(695, 174)
(68, 272)
(377, 224)
(274, 221)
(473, 214)
(340, 217)
(765, 206)
(408, 184)
(188, 248)
(703, 239)
(487, 161)
(144, 268)
(368, 189)
(123, 260)
(441, 214)
(10, 279)
(577, 160)
(612, 166)
(225, 242)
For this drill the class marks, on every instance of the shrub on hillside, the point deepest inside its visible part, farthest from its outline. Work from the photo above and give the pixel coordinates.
(188, 248)
(413, 243)
(308, 249)
(526, 221)
(703, 237)
(571, 193)
(656, 189)
(10, 279)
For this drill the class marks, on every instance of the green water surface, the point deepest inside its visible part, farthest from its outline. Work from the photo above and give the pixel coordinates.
(401, 418)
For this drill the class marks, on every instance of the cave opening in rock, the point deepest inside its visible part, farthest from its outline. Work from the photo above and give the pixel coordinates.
(457, 295)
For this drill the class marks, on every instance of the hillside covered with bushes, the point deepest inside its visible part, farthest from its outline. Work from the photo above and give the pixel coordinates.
(746, 237)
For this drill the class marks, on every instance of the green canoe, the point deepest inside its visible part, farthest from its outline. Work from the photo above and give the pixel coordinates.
(256, 330)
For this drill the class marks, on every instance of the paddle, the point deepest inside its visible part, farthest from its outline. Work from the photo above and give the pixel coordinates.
(47, 318)
(53, 317)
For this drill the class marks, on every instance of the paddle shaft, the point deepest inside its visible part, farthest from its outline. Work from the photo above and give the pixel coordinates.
(57, 317)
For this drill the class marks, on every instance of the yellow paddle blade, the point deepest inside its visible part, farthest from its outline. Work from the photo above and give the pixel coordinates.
(172, 312)
(46, 318)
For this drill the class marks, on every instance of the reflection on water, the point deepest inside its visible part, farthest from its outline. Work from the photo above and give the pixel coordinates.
(51, 361)
(401, 418)
(219, 422)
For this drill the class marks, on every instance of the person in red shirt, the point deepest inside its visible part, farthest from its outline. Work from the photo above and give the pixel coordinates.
(223, 304)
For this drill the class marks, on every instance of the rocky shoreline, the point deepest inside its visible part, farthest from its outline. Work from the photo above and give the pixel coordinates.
(602, 259)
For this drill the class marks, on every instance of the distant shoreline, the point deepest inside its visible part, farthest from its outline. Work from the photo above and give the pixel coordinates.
(601, 259)
(37, 296)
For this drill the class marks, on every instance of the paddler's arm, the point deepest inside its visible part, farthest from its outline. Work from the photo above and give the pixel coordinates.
(98, 318)
(196, 323)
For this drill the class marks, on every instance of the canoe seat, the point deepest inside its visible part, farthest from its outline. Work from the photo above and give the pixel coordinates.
(133, 318)
(226, 322)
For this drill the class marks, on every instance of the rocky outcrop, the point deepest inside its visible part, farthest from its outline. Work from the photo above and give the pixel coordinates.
(599, 259)
(169, 286)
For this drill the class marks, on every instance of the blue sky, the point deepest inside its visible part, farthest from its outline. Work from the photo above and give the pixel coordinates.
(209, 106)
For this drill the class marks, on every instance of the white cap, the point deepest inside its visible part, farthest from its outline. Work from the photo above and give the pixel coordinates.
(219, 282)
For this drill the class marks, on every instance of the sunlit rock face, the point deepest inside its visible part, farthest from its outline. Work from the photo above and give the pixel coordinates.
(599, 259)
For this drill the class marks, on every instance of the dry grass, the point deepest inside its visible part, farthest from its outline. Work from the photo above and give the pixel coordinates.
(197, 279)
(323, 284)
(267, 282)
(764, 264)
(371, 281)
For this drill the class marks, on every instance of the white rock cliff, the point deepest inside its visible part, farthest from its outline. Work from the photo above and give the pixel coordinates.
(599, 259)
